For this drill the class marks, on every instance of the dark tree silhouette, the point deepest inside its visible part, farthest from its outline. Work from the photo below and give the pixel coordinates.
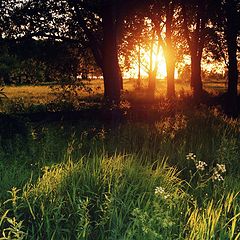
(91, 23)
(134, 37)
(100, 26)
(105, 48)
(195, 25)
(225, 44)
(109, 16)
(232, 30)
(166, 19)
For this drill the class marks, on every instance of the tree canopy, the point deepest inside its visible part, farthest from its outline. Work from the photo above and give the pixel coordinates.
(105, 31)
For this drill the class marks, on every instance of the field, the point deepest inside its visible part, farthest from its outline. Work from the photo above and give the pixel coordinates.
(165, 171)
(45, 93)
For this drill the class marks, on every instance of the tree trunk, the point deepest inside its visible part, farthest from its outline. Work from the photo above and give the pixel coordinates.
(169, 52)
(151, 85)
(232, 66)
(139, 67)
(111, 70)
(195, 42)
(153, 68)
(170, 65)
(105, 52)
(170, 68)
(150, 79)
(120, 74)
(196, 79)
(121, 80)
(231, 36)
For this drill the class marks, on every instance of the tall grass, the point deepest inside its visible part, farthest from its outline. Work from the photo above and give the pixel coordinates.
(92, 198)
(115, 198)
(77, 180)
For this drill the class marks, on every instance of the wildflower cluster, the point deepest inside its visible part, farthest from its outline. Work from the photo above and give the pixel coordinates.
(200, 165)
(215, 173)
(160, 191)
(191, 156)
(218, 171)
(221, 168)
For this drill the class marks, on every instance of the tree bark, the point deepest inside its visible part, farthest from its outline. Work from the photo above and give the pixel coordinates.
(170, 65)
(151, 85)
(111, 70)
(139, 66)
(231, 37)
(169, 52)
(196, 78)
(121, 78)
(195, 42)
(105, 52)
(151, 79)
(232, 67)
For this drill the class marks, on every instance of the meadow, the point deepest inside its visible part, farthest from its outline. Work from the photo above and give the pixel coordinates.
(48, 92)
(167, 170)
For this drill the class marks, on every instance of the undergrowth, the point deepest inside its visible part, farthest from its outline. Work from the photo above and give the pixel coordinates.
(175, 178)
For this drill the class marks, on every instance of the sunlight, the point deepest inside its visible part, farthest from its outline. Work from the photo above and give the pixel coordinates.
(145, 63)
(156, 59)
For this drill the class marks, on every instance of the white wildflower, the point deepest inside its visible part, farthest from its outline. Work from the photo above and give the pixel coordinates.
(166, 196)
(217, 176)
(221, 168)
(200, 165)
(160, 191)
(191, 156)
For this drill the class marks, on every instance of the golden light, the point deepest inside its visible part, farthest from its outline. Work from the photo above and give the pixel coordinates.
(157, 59)
(145, 64)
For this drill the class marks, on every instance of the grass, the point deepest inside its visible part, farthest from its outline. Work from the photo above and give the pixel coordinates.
(156, 174)
(130, 180)
(43, 94)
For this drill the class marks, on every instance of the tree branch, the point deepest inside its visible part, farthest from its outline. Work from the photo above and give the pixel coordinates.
(185, 26)
(93, 43)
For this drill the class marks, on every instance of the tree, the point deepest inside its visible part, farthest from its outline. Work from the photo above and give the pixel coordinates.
(145, 38)
(224, 45)
(8, 63)
(32, 61)
(232, 32)
(104, 48)
(147, 29)
(94, 24)
(196, 15)
(165, 16)
(133, 41)
(109, 16)
(153, 66)
(195, 40)
(169, 49)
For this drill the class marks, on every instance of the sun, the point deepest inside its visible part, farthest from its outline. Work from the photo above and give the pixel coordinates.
(145, 64)
(157, 59)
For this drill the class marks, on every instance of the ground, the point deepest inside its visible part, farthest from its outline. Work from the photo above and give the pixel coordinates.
(149, 170)
(43, 93)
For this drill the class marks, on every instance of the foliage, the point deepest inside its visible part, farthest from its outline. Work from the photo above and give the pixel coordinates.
(31, 62)
(115, 181)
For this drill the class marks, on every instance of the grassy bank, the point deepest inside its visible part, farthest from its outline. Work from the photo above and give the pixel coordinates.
(174, 178)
